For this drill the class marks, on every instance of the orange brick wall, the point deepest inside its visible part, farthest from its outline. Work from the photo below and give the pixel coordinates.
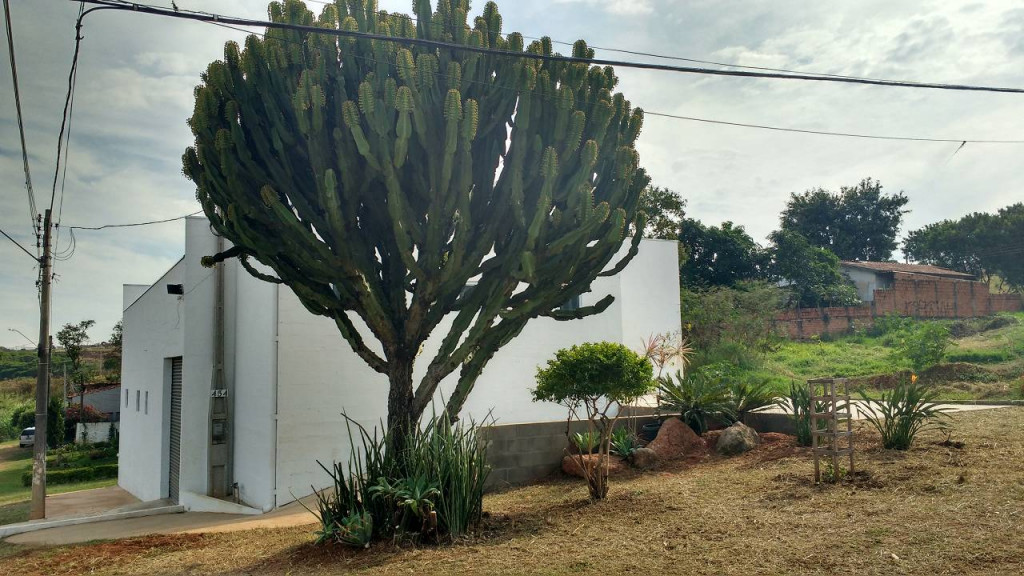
(911, 295)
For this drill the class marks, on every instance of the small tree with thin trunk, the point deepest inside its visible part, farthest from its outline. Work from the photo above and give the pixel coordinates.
(593, 381)
(400, 189)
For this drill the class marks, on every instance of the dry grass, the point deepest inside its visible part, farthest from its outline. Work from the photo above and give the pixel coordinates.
(934, 510)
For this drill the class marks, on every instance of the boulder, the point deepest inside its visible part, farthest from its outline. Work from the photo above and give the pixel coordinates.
(644, 458)
(571, 464)
(737, 439)
(675, 440)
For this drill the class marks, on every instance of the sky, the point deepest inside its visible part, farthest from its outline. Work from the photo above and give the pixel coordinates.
(137, 73)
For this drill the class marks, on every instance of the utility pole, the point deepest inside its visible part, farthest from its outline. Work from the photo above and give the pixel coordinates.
(38, 509)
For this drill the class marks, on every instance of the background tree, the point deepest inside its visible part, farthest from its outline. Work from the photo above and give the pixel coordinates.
(665, 212)
(812, 273)
(858, 223)
(73, 338)
(718, 255)
(112, 360)
(363, 174)
(980, 243)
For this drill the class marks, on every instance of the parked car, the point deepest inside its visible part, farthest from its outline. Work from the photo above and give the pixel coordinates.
(27, 438)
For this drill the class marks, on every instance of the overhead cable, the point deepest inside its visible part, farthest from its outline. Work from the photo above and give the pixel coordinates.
(688, 118)
(33, 212)
(105, 226)
(208, 17)
(18, 244)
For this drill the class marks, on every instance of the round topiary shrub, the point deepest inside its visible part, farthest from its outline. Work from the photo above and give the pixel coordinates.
(593, 380)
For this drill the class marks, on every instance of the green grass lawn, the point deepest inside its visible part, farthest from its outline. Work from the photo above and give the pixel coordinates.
(14, 498)
(985, 365)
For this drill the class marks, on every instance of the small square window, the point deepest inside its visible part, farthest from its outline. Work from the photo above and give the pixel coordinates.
(572, 304)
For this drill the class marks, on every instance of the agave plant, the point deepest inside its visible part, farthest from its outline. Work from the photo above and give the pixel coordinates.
(903, 412)
(623, 442)
(586, 442)
(698, 396)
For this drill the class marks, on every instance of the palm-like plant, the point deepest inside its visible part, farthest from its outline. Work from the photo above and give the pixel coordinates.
(903, 412)
(696, 397)
(747, 395)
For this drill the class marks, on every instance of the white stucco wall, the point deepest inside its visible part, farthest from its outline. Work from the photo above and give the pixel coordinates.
(153, 332)
(251, 364)
(866, 282)
(319, 376)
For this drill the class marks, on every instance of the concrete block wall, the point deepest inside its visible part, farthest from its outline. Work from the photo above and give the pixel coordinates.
(522, 453)
(911, 295)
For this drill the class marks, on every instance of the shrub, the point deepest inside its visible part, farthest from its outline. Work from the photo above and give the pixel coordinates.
(73, 475)
(586, 442)
(593, 380)
(624, 442)
(798, 404)
(450, 458)
(699, 395)
(746, 394)
(903, 412)
(923, 345)
(731, 322)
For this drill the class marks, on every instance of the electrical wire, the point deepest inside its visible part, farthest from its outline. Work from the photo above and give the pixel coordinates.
(676, 116)
(18, 244)
(33, 211)
(67, 142)
(655, 55)
(208, 17)
(105, 226)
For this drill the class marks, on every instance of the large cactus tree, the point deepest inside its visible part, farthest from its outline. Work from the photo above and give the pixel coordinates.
(397, 188)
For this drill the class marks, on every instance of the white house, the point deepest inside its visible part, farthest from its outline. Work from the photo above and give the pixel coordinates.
(289, 375)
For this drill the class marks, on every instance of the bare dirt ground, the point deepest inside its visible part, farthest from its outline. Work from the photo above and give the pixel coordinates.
(942, 508)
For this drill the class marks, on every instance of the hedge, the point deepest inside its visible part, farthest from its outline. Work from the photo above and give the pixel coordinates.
(72, 475)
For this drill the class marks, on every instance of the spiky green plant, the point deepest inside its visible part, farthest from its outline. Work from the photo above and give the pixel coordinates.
(798, 405)
(902, 412)
(698, 396)
(375, 179)
(746, 395)
(623, 442)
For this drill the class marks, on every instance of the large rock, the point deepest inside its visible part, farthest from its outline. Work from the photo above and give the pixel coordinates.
(675, 440)
(644, 458)
(571, 464)
(737, 439)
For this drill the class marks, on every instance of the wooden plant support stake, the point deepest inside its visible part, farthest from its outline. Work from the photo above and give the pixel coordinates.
(830, 442)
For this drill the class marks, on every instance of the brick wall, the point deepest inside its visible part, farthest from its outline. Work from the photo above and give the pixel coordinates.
(910, 295)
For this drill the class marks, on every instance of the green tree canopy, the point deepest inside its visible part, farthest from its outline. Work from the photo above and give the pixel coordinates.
(980, 243)
(73, 338)
(665, 212)
(719, 255)
(857, 223)
(377, 178)
(811, 273)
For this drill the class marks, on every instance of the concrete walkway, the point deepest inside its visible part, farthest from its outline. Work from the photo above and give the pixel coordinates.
(188, 522)
(88, 502)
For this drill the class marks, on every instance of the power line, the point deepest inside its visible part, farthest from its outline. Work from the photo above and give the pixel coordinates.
(33, 212)
(105, 226)
(653, 54)
(679, 117)
(208, 17)
(826, 133)
(68, 99)
(18, 244)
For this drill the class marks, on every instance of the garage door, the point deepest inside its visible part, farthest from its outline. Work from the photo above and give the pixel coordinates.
(175, 440)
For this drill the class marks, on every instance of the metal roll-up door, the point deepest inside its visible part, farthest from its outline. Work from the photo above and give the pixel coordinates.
(175, 440)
